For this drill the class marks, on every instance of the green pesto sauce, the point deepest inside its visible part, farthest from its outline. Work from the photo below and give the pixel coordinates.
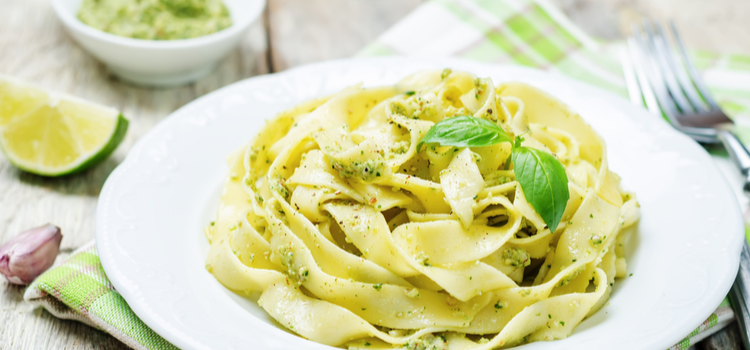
(571, 276)
(427, 342)
(516, 257)
(156, 19)
(397, 149)
(297, 274)
(366, 170)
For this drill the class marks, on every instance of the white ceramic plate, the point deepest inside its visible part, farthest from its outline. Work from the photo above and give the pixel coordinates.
(152, 210)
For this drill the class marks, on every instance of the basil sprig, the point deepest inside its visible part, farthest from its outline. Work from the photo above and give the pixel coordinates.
(465, 131)
(543, 182)
(541, 176)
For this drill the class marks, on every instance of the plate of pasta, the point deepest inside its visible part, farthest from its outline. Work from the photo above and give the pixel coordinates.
(404, 203)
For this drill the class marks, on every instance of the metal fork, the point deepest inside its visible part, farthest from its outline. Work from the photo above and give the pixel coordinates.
(671, 86)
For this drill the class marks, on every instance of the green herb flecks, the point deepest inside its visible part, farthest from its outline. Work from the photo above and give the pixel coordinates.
(445, 73)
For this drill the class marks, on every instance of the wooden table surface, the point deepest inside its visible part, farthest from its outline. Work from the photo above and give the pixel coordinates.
(35, 48)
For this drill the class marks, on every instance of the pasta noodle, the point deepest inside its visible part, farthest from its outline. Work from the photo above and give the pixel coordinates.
(356, 239)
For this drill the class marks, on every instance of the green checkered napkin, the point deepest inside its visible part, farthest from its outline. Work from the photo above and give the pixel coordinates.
(525, 32)
(79, 290)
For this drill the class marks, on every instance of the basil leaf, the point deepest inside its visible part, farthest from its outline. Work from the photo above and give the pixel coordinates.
(543, 182)
(465, 131)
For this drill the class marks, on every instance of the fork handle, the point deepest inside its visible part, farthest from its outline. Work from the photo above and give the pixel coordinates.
(739, 154)
(740, 294)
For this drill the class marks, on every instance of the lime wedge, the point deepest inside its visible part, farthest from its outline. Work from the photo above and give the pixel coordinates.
(52, 134)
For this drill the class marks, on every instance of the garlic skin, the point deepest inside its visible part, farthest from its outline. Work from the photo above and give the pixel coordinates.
(32, 252)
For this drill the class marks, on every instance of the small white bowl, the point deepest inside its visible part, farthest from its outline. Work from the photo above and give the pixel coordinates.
(160, 62)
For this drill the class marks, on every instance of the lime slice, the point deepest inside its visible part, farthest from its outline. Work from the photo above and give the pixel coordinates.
(52, 134)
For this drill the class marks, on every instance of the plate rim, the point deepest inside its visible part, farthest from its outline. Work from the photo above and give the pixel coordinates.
(153, 321)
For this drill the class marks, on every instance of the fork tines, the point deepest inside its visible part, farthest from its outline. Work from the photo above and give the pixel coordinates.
(669, 82)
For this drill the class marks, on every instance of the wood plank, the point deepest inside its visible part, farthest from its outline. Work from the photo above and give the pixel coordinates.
(725, 339)
(305, 31)
(718, 25)
(35, 48)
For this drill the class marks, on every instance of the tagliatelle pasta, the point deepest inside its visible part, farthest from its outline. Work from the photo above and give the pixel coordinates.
(356, 239)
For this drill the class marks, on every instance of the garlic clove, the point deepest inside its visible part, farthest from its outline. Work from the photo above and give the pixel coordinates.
(32, 252)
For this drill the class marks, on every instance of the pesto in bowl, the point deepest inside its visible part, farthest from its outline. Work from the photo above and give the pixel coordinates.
(156, 19)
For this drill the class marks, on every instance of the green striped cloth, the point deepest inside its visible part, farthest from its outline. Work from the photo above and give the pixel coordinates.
(525, 32)
(79, 290)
